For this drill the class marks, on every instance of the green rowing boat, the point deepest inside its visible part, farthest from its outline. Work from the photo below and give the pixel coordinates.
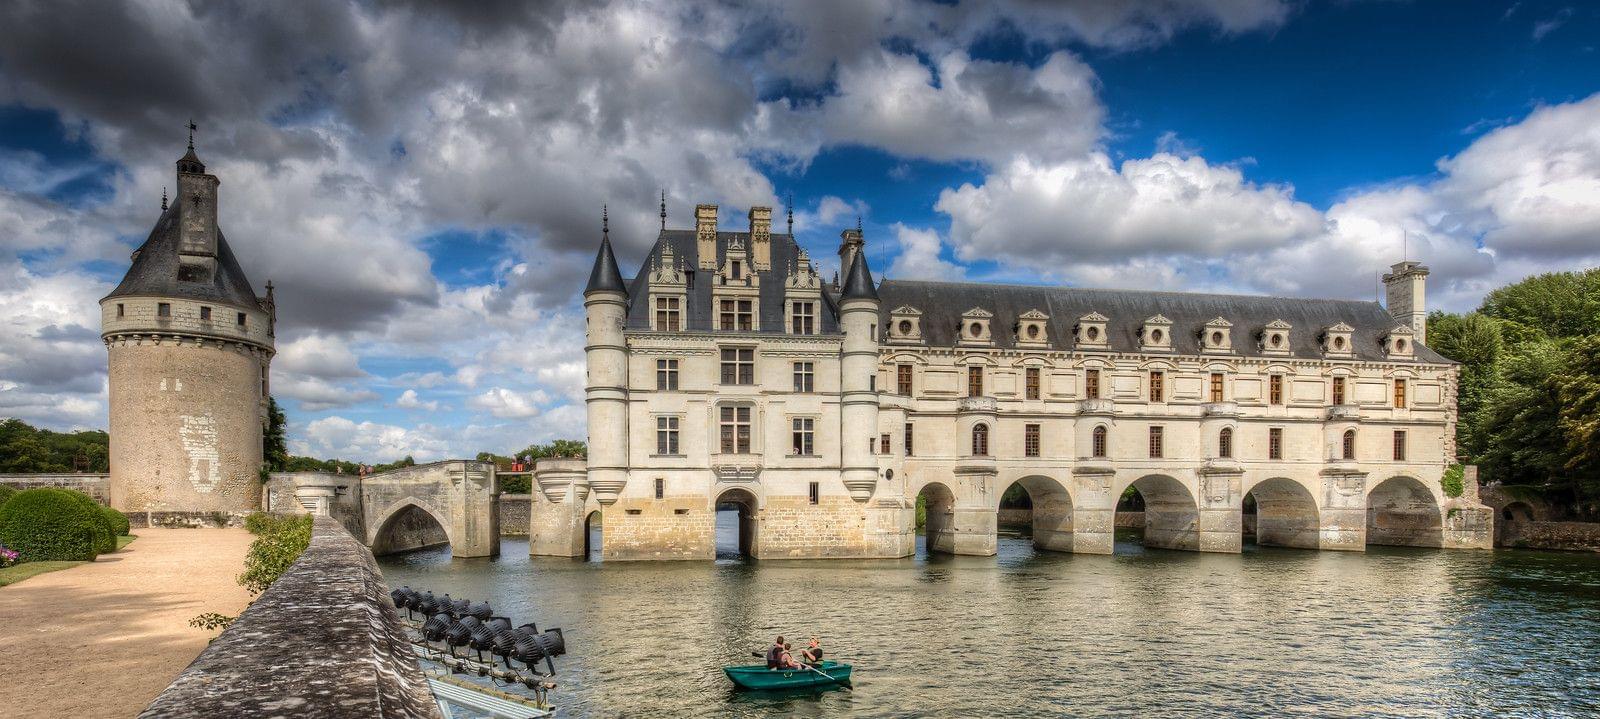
(760, 677)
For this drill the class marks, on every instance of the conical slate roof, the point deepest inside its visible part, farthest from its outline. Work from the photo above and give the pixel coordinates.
(858, 283)
(605, 277)
(155, 270)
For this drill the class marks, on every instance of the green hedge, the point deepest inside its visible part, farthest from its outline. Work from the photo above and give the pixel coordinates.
(6, 491)
(280, 540)
(107, 536)
(118, 520)
(54, 525)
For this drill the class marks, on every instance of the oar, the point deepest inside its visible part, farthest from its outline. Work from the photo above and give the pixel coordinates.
(812, 668)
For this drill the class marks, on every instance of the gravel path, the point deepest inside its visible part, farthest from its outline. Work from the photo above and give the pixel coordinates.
(103, 639)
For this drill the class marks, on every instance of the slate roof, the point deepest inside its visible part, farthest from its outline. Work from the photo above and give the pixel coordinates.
(942, 304)
(605, 277)
(700, 314)
(155, 270)
(858, 281)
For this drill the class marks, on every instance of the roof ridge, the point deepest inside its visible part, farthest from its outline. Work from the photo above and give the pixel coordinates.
(1187, 293)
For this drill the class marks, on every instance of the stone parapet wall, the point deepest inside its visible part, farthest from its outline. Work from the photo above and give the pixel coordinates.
(514, 509)
(322, 641)
(97, 486)
(186, 520)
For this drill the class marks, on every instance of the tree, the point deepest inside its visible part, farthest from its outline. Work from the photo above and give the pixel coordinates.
(1578, 387)
(274, 445)
(1473, 340)
(1558, 304)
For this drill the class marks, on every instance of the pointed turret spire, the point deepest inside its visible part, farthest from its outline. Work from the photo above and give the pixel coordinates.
(190, 162)
(663, 208)
(858, 284)
(790, 209)
(605, 277)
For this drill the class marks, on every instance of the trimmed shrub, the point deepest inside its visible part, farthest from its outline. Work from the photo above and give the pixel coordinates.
(53, 525)
(280, 542)
(118, 520)
(107, 536)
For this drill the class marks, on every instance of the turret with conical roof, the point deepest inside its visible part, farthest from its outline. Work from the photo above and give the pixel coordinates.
(858, 283)
(605, 277)
(605, 306)
(858, 318)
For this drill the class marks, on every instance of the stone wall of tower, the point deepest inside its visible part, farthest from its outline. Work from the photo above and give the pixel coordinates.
(186, 424)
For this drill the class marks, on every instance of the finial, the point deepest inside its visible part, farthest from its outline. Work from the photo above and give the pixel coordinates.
(605, 221)
(163, 199)
(858, 224)
(790, 207)
(663, 208)
(192, 128)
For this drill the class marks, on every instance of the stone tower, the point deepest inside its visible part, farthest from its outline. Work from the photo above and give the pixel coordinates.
(1406, 290)
(858, 319)
(189, 346)
(605, 305)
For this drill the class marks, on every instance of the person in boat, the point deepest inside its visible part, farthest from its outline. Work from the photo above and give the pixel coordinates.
(786, 659)
(775, 654)
(812, 654)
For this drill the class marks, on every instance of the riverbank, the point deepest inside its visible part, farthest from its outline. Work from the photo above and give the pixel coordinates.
(105, 638)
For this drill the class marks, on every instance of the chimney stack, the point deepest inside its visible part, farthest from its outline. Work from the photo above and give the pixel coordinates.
(705, 236)
(761, 238)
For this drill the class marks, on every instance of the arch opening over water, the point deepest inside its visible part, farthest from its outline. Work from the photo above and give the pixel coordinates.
(736, 525)
(1171, 514)
(1042, 508)
(1402, 512)
(594, 536)
(1285, 514)
(936, 509)
(408, 526)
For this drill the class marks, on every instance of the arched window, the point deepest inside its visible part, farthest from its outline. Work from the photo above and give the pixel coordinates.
(1349, 444)
(1099, 447)
(980, 440)
(1225, 443)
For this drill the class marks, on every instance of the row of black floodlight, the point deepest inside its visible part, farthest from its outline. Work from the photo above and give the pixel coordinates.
(457, 623)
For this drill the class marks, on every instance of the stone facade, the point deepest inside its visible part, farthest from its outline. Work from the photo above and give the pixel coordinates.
(189, 347)
(97, 486)
(823, 410)
(453, 502)
(514, 521)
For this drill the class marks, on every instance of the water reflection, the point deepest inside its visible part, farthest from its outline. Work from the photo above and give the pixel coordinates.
(1271, 632)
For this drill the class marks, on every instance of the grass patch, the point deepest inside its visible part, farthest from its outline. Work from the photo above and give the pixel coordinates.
(18, 572)
(126, 540)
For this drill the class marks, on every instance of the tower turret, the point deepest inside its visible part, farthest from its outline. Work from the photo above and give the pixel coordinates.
(605, 305)
(189, 349)
(858, 319)
(1406, 296)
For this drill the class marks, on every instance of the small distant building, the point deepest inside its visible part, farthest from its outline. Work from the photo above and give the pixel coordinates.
(728, 373)
(189, 346)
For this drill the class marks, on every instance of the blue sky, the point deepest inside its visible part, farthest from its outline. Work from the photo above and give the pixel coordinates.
(423, 185)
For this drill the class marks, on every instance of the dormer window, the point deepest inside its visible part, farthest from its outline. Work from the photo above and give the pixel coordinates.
(1091, 331)
(1032, 330)
(1156, 335)
(1217, 336)
(1336, 340)
(1275, 338)
(1398, 344)
(734, 271)
(975, 327)
(669, 314)
(905, 324)
(803, 318)
(736, 315)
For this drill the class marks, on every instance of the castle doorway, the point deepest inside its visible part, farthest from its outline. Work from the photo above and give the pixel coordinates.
(593, 536)
(736, 525)
(936, 506)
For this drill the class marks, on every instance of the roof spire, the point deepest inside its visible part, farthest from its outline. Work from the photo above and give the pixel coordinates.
(790, 207)
(163, 198)
(605, 277)
(190, 163)
(858, 283)
(192, 128)
(605, 221)
(858, 224)
(663, 208)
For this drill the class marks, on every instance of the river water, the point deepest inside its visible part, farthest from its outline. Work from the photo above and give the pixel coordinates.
(1270, 632)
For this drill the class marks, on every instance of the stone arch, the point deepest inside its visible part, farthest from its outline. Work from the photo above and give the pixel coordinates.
(747, 504)
(938, 509)
(1286, 514)
(594, 536)
(1171, 512)
(1403, 511)
(1512, 517)
(408, 524)
(1050, 514)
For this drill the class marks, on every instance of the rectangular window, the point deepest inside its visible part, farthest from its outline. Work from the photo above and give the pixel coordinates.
(1338, 390)
(205, 312)
(121, 312)
(734, 272)
(1156, 442)
(816, 491)
(241, 319)
(908, 439)
(163, 309)
(1031, 383)
(1399, 445)
(667, 374)
(883, 444)
(736, 315)
(903, 380)
(974, 381)
(803, 320)
(738, 365)
(667, 435)
(1091, 383)
(804, 377)
(1216, 386)
(669, 314)
(1400, 393)
(1275, 389)
(1158, 386)
(1275, 443)
(735, 426)
(803, 431)
(661, 488)
(1030, 440)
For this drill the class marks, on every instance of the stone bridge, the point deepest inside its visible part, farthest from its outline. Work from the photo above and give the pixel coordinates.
(453, 502)
(1203, 509)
